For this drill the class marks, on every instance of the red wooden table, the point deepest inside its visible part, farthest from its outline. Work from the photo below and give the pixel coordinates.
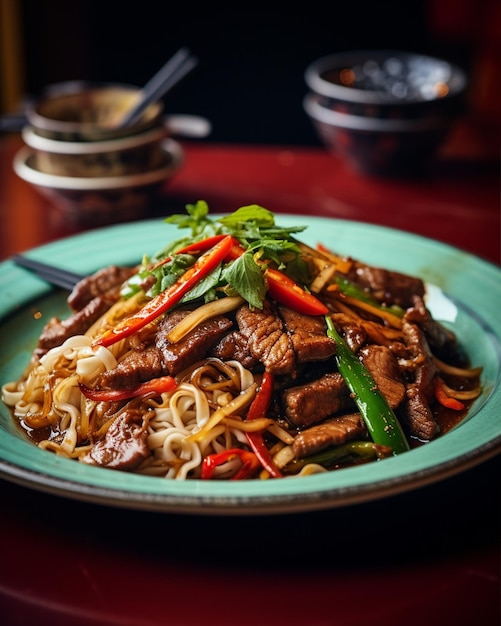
(434, 553)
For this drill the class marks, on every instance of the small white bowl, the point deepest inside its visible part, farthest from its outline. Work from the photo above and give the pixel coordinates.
(104, 198)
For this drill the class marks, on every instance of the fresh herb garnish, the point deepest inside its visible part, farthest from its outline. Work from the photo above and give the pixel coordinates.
(253, 227)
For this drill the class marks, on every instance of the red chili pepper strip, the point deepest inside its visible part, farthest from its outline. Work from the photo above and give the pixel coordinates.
(203, 245)
(193, 248)
(262, 400)
(235, 251)
(250, 463)
(172, 295)
(284, 290)
(156, 385)
(259, 408)
(443, 398)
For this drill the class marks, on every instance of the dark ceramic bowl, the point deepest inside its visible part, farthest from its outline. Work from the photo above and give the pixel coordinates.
(378, 146)
(387, 84)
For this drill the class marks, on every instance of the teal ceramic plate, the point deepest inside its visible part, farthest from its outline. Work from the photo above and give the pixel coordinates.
(466, 295)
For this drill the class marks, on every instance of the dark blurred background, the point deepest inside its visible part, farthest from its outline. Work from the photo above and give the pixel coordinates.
(250, 79)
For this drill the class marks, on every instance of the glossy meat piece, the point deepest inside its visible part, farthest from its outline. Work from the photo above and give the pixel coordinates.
(308, 335)
(332, 432)
(234, 346)
(424, 367)
(124, 446)
(56, 331)
(442, 341)
(419, 392)
(194, 346)
(313, 402)
(105, 281)
(267, 339)
(383, 366)
(139, 366)
(387, 286)
(418, 416)
(354, 335)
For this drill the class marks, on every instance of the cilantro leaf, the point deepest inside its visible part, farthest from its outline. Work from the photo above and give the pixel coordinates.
(197, 218)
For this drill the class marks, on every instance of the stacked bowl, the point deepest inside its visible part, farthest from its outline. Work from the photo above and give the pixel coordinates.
(385, 111)
(79, 155)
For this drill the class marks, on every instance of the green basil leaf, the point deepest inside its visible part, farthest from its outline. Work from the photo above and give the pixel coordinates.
(246, 278)
(251, 213)
(205, 288)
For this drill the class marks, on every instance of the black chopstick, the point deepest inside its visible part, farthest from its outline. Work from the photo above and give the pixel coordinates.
(164, 80)
(53, 275)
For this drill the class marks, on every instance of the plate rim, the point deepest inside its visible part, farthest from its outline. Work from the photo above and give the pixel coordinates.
(241, 505)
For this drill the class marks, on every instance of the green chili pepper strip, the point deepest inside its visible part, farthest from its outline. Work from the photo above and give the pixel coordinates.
(353, 451)
(350, 289)
(381, 421)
